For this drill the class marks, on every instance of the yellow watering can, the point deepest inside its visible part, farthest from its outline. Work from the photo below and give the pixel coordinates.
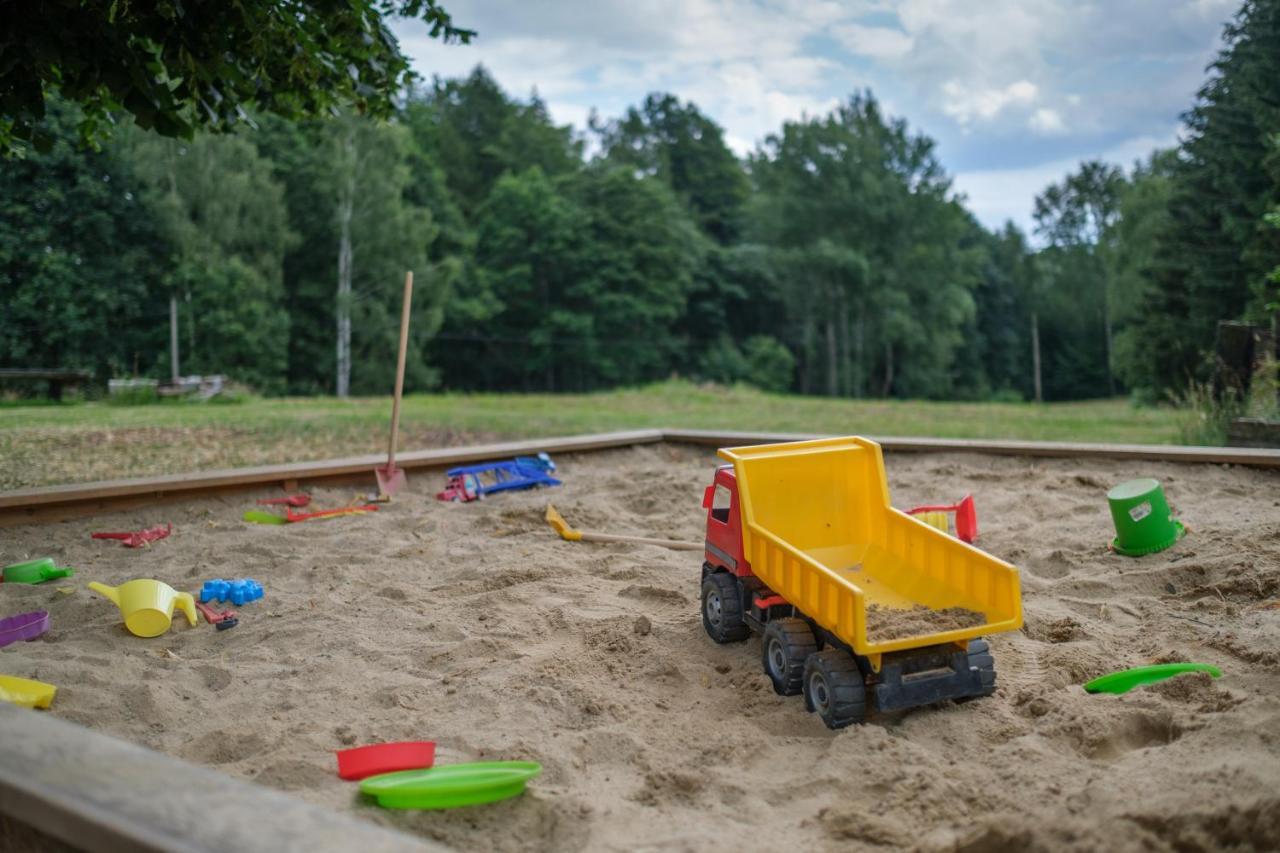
(147, 605)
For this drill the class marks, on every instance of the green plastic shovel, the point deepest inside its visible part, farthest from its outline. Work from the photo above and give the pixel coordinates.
(1127, 679)
(451, 785)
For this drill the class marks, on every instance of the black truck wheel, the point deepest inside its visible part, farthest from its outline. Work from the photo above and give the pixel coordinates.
(834, 688)
(980, 659)
(722, 609)
(787, 644)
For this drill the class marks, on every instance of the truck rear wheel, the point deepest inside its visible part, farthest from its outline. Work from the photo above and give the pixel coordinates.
(980, 659)
(787, 644)
(834, 688)
(722, 609)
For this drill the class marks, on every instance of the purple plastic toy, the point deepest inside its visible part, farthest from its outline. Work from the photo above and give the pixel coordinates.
(24, 626)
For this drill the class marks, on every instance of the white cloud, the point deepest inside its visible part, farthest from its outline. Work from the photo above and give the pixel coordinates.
(1047, 122)
(965, 104)
(874, 42)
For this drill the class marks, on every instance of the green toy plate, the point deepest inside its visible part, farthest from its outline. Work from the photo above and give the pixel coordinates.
(451, 785)
(259, 516)
(1127, 679)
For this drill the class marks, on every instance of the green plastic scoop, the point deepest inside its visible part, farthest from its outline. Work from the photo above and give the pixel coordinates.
(258, 516)
(451, 785)
(1127, 679)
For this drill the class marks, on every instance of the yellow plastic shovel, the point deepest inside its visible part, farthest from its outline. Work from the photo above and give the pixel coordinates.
(568, 533)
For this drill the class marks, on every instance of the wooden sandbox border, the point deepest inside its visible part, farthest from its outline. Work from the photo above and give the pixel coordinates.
(102, 794)
(57, 503)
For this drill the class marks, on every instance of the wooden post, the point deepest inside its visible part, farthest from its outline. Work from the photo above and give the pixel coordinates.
(173, 339)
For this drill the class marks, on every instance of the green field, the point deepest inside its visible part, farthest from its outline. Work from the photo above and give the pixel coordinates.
(43, 444)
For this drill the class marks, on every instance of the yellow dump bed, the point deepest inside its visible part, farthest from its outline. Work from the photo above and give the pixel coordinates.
(818, 530)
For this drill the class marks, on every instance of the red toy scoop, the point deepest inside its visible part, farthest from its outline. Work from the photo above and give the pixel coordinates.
(137, 538)
(363, 761)
(966, 516)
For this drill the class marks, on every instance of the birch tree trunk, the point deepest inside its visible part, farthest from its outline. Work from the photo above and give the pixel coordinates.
(342, 306)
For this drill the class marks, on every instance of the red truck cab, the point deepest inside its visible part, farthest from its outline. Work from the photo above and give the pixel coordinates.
(724, 524)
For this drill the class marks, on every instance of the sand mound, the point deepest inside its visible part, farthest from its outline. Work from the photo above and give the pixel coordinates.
(474, 626)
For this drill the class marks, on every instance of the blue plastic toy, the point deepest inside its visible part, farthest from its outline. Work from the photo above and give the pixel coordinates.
(237, 592)
(471, 482)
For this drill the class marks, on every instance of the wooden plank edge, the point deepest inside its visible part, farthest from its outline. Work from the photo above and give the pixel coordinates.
(1246, 456)
(306, 472)
(99, 793)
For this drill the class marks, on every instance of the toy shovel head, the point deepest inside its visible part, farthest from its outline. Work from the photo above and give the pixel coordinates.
(966, 520)
(390, 479)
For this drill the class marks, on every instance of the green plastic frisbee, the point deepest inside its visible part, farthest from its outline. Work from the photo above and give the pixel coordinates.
(1127, 679)
(451, 785)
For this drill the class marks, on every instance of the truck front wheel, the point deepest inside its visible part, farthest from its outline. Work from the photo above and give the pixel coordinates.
(722, 609)
(787, 644)
(834, 688)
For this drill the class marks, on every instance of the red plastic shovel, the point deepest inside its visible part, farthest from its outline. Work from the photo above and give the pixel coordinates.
(137, 538)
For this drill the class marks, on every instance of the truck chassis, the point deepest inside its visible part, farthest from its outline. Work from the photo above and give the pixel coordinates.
(801, 657)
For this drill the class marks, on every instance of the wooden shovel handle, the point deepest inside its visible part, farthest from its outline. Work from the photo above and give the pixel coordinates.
(404, 345)
(673, 544)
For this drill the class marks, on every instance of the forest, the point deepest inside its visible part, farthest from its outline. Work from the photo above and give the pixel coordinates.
(836, 259)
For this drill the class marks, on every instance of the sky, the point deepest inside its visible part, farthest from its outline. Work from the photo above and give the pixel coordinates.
(1016, 93)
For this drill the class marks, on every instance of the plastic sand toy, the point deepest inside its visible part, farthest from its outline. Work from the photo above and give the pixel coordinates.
(237, 592)
(24, 626)
(362, 762)
(35, 571)
(474, 482)
(147, 605)
(258, 516)
(25, 692)
(1127, 679)
(220, 619)
(452, 785)
(803, 547)
(966, 518)
(1143, 522)
(137, 538)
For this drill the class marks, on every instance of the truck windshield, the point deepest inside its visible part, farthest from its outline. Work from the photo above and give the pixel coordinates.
(720, 504)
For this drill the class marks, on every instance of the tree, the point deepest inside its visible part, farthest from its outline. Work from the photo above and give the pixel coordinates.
(348, 190)
(476, 134)
(873, 252)
(677, 144)
(178, 66)
(225, 219)
(1078, 218)
(1213, 252)
(81, 260)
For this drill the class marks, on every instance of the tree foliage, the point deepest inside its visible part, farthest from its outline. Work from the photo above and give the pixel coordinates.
(177, 66)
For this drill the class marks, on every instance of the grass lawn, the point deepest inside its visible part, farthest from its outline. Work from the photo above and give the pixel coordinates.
(44, 444)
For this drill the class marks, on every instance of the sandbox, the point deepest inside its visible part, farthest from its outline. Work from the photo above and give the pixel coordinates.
(474, 626)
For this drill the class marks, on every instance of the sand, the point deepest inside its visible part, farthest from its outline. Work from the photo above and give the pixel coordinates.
(474, 626)
(892, 623)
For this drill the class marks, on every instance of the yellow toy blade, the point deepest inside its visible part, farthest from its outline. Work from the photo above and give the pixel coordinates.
(561, 526)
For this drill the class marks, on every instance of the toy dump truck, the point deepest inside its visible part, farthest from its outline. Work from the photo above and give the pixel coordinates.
(861, 607)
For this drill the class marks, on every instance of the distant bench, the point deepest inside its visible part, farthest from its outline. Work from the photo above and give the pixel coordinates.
(55, 378)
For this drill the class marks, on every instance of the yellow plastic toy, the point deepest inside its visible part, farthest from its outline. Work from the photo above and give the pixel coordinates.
(26, 693)
(804, 547)
(147, 605)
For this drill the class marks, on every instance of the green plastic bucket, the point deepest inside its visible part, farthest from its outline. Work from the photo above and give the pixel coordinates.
(1143, 522)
